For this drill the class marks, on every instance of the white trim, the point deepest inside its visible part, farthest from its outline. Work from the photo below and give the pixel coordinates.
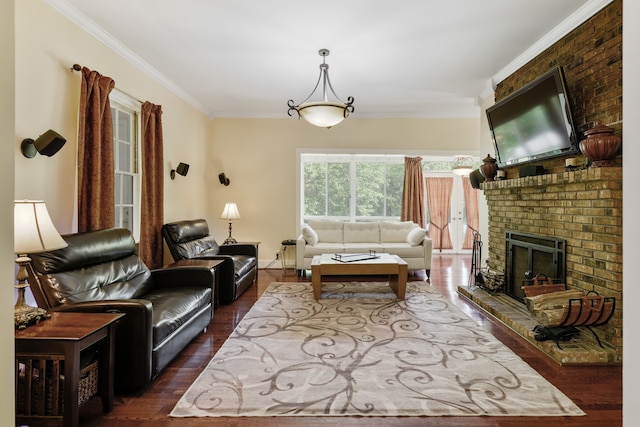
(576, 19)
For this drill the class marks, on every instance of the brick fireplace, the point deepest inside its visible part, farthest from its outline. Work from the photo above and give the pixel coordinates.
(584, 209)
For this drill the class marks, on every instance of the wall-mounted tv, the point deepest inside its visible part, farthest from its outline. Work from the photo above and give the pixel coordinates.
(533, 123)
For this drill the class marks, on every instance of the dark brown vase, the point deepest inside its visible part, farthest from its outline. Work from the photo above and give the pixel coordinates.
(600, 145)
(489, 168)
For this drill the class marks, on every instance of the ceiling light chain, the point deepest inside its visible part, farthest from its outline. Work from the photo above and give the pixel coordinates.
(323, 113)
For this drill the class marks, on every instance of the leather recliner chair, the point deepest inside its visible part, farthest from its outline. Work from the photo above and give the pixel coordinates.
(99, 271)
(190, 239)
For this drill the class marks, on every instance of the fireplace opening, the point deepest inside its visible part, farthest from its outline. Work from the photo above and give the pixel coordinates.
(528, 255)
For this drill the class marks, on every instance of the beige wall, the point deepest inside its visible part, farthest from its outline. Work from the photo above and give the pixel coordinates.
(47, 94)
(7, 276)
(260, 158)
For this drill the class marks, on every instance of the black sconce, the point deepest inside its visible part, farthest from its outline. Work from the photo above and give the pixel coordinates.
(47, 144)
(182, 169)
(223, 179)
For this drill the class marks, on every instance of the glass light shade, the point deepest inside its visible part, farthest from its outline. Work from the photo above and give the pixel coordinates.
(230, 211)
(463, 165)
(323, 114)
(34, 231)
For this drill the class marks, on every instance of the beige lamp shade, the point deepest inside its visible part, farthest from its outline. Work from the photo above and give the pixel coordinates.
(230, 212)
(33, 229)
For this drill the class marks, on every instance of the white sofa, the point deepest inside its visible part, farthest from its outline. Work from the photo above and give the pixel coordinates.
(405, 239)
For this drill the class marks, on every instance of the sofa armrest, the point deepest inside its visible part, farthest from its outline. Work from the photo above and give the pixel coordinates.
(239, 249)
(300, 244)
(180, 275)
(134, 337)
(428, 250)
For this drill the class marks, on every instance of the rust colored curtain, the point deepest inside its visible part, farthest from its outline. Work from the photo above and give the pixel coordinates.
(439, 202)
(152, 206)
(471, 208)
(413, 192)
(95, 153)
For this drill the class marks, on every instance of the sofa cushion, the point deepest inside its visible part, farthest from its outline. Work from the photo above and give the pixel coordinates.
(309, 235)
(416, 236)
(395, 231)
(328, 231)
(361, 232)
(173, 307)
(323, 248)
(403, 250)
(362, 248)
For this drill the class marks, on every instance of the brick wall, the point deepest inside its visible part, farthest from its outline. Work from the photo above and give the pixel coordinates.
(583, 207)
(591, 56)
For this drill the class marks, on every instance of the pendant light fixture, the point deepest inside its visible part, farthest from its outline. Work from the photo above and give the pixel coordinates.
(462, 165)
(323, 113)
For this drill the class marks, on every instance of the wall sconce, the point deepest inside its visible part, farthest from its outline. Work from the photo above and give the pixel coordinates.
(182, 169)
(223, 179)
(47, 144)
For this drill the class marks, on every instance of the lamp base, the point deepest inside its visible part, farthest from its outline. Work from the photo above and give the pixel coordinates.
(26, 316)
(230, 241)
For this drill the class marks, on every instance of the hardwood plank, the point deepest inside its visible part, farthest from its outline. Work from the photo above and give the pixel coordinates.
(596, 389)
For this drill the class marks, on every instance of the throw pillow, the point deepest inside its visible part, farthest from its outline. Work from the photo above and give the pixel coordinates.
(416, 236)
(309, 235)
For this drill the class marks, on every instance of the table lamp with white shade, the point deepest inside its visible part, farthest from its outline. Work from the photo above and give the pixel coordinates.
(33, 232)
(230, 212)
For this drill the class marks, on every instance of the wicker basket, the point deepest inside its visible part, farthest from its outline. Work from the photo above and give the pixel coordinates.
(88, 385)
(493, 280)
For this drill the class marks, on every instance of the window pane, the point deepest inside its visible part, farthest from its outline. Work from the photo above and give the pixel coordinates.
(118, 217)
(127, 189)
(395, 184)
(117, 193)
(370, 180)
(314, 189)
(124, 126)
(127, 217)
(124, 157)
(338, 189)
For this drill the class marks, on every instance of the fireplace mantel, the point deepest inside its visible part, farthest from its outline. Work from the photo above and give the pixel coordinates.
(584, 207)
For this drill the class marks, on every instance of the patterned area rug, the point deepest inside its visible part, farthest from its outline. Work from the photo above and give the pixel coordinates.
(359, 351)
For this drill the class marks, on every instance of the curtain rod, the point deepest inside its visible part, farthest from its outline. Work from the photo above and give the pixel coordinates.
(77, 67)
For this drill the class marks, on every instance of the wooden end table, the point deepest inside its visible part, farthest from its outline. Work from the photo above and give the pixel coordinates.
(386, 264)
(62, 338)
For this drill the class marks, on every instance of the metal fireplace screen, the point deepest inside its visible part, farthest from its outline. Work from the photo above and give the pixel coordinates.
(528, 255)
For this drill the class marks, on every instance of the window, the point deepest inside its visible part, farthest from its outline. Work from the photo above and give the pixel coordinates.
(125, 114)
(351, 187)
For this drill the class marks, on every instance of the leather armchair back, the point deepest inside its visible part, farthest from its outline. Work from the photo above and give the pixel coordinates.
(97, 265)
(189, 239)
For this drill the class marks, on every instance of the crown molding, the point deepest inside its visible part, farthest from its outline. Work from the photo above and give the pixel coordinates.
(81, 20)
(572, 22)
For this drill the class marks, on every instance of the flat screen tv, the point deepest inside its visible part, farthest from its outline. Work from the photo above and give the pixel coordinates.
(533, 123)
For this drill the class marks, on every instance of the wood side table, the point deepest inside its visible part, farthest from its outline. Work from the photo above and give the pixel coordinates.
(54, 346)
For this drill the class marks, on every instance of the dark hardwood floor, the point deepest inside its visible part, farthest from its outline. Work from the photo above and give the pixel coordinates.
(596, 389)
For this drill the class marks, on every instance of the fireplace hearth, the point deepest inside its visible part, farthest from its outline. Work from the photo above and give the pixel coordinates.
(527, 256)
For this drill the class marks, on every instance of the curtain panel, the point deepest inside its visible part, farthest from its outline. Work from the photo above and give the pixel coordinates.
(413, 192)
(95, 153)
(439, 203)
(471, 207)
(152, 206)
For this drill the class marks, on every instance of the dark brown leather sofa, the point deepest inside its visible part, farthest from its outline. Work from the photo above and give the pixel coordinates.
(190, 239)
(99, 271)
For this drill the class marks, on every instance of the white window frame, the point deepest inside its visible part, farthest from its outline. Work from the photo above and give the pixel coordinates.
(124, 102)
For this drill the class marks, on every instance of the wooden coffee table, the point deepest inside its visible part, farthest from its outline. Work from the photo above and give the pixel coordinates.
(386, 264)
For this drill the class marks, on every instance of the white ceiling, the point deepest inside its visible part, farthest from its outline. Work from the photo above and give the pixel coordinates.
(397, 58)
